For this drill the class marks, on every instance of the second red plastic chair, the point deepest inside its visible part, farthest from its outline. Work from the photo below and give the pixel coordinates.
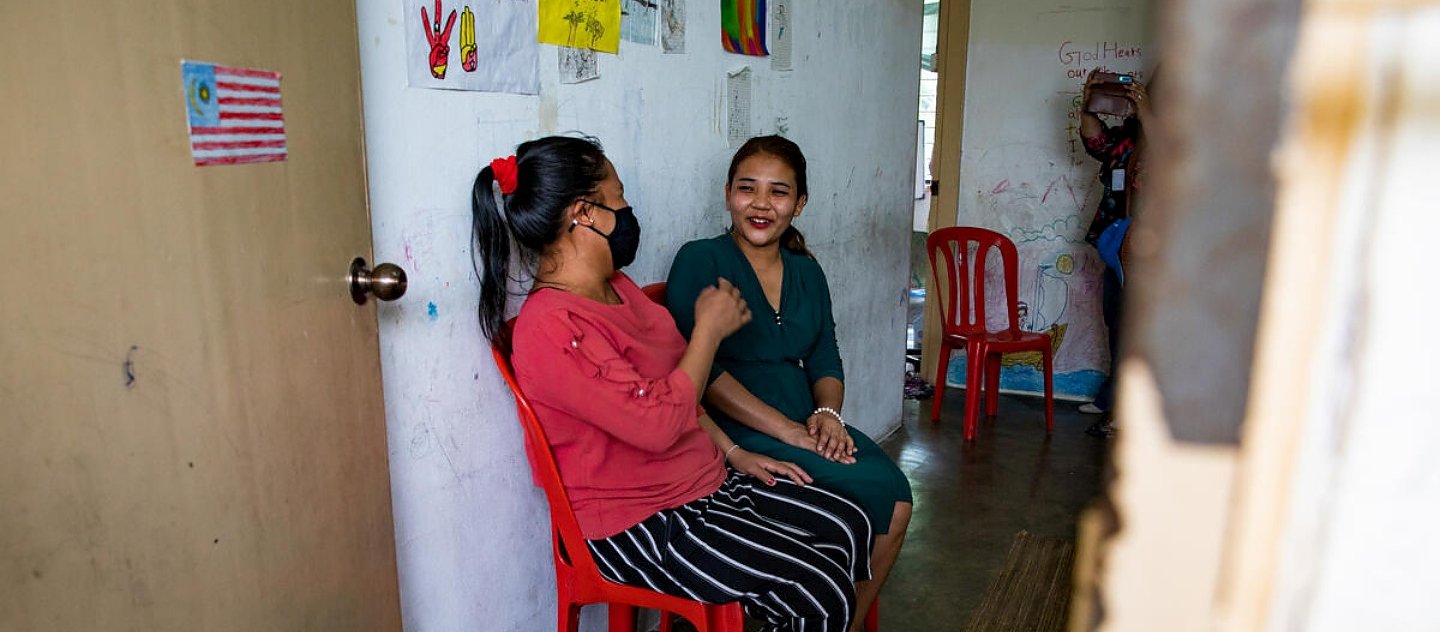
(962, 312)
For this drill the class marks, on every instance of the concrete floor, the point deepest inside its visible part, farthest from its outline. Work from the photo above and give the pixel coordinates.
(970, 500)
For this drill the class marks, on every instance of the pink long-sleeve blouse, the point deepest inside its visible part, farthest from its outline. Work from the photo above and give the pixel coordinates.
(619, 413)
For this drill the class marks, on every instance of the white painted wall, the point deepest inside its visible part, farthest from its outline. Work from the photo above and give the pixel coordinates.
(1024, 172)
(471, 531)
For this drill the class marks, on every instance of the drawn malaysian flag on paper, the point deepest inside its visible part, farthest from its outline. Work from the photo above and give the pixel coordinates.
(234, 114)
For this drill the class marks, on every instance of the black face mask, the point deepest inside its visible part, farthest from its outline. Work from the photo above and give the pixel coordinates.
(624, 239)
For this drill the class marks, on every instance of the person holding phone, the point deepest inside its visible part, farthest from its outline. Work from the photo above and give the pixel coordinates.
(1120, 149)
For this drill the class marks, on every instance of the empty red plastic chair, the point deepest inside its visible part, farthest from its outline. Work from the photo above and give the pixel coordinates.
(577, 580)
(961, 275)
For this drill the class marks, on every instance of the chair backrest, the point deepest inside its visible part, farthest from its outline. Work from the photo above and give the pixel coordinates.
(569, 544)
(656, 292)
(565, 528)
(962, 286)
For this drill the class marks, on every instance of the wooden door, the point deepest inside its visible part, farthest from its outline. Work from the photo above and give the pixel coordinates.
(191, 428)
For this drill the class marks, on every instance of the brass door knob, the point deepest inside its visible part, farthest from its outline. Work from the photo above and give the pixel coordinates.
(386, 281)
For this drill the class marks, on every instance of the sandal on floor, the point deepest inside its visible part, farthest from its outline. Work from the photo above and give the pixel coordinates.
(917, 388)
(1101, 429)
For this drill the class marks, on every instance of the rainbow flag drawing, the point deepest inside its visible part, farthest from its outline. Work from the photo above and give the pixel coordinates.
(742, 27)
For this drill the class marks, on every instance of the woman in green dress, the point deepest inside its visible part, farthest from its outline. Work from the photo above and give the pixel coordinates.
(777, 385)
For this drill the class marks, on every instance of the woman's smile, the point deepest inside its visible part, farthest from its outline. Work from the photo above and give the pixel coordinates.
(762, 199)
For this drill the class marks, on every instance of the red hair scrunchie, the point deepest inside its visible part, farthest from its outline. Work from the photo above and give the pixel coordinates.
(507, 173)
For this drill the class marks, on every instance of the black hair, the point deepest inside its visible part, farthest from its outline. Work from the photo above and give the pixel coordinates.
(552, 173)
(789, 153)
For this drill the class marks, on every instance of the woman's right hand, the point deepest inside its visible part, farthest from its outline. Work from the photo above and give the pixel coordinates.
(766, 468)
(720, 310)
(1090, 80)
(798, 435)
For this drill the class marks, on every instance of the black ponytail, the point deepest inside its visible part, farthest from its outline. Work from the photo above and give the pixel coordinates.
(551, 173)
(491, 258)
(793, 241)
(789, 153)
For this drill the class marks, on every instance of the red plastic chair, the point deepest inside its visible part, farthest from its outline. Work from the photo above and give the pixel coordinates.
(656, 292)
(962, 310)
(577, 580)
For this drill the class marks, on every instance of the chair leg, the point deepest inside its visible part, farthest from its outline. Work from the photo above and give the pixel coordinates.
(1049, 390)
(939, 397)
(729, 617)
(665, 618)
(622, 617)
(569, 617)
(872, 620)
(974, 370)
(992, 384)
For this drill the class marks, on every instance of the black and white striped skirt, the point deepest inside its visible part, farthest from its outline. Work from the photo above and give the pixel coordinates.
(790, 554)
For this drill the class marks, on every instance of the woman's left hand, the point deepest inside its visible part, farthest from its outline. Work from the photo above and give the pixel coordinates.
(831, 439)
(766, 468)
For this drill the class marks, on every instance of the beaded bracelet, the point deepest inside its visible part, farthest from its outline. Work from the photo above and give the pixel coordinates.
(729, 450)
(830, 411)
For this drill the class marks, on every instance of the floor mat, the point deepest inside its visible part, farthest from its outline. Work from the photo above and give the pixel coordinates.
(1032, 591)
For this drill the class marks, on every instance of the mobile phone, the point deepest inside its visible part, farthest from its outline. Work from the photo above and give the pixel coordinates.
(1110, 94)
(1110, 77)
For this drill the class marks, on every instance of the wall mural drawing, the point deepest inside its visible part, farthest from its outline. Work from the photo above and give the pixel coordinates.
(640, 21)
(578, 65)
(592, 24)
(1055, 298)
(742, 27)
(439, 40)
(469, 59)
(494, 45)
(672, 26)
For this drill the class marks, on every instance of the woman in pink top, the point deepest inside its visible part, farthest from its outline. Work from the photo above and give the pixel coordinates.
(617, 389)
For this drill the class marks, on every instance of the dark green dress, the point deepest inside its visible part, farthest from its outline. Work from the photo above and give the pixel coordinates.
(778, 357)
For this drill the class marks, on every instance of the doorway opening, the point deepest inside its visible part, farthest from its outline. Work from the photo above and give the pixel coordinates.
(916, 387)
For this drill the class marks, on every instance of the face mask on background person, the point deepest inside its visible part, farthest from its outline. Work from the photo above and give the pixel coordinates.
(624, 238)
